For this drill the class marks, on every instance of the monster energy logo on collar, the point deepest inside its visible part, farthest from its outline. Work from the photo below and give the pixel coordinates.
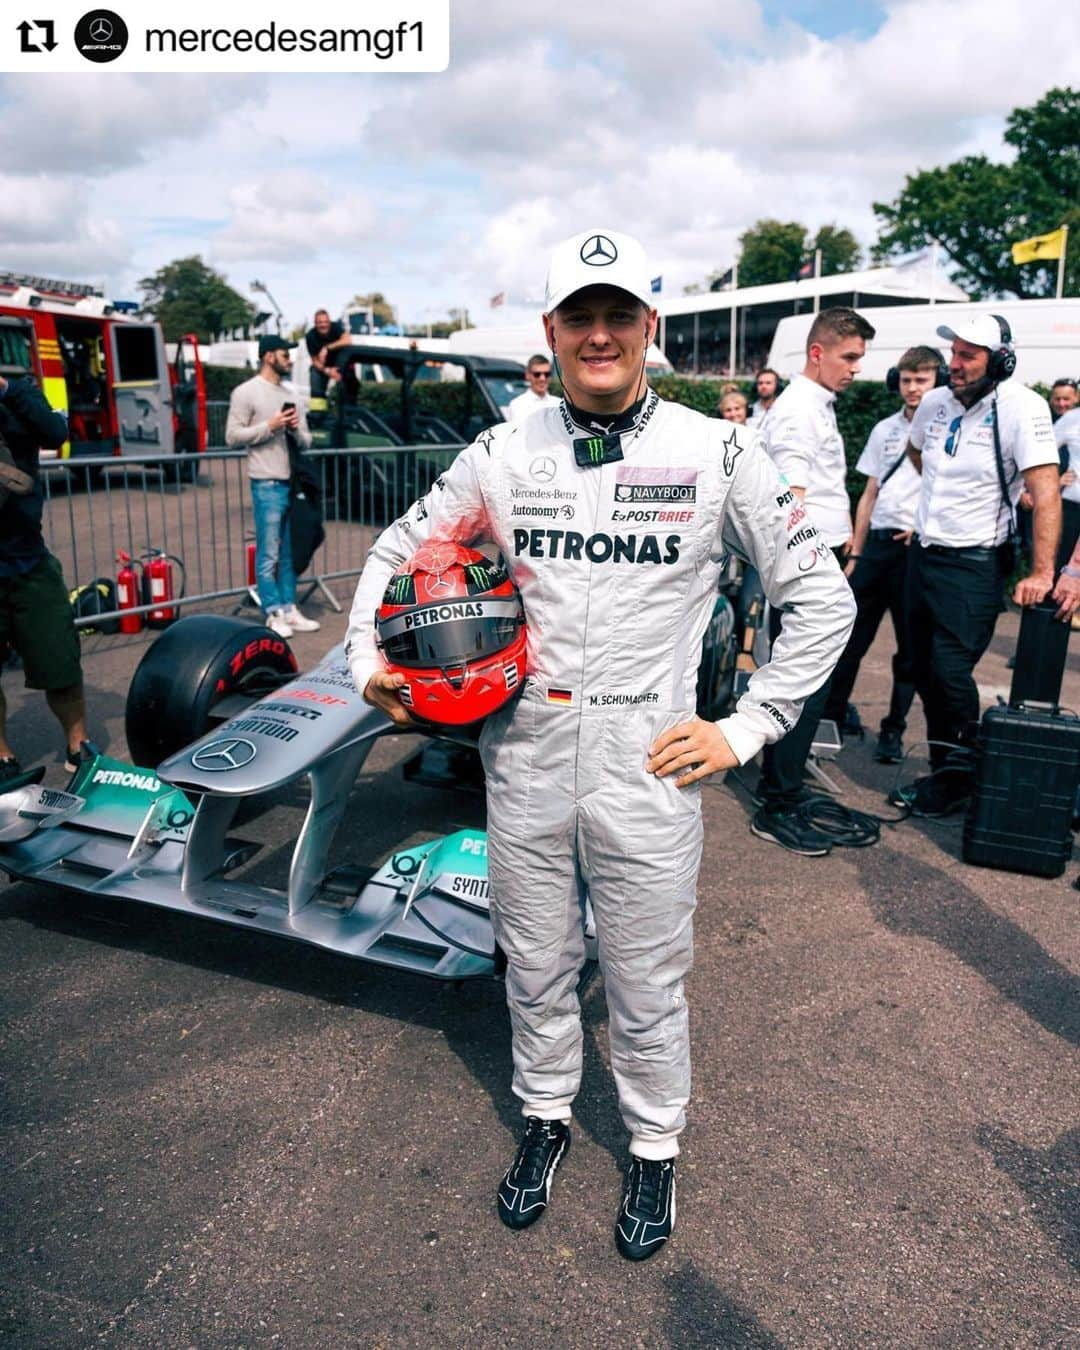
(591, 451)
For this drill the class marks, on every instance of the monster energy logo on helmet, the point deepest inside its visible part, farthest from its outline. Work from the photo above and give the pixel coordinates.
(400, 591)
(477, 573)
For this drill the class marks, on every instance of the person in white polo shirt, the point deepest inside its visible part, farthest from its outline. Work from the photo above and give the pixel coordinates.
(977, 444)
(537, 396)
(877, 563)
(804, 442)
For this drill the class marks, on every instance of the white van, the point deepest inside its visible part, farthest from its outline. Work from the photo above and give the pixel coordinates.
(1046, 334)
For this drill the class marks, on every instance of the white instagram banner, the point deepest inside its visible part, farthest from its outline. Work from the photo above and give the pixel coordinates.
(335, 36)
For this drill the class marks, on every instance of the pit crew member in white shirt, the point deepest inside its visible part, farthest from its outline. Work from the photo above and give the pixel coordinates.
(538, 373)
(977, 444)
(614, 512)
(805, 444)
(877, 564)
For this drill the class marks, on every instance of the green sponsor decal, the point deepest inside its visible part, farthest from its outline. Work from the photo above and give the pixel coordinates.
(596, 449)
(118, 797)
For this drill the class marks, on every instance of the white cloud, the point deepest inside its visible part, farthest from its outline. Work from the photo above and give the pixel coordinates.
(684, 125)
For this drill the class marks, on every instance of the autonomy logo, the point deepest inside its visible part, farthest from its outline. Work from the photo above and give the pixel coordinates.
(598, 251)
(101, 35)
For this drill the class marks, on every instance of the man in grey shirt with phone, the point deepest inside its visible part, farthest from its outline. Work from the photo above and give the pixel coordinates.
(262, 415)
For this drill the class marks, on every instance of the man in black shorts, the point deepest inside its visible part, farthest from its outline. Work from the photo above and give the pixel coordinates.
(322, 340)
(35, 615)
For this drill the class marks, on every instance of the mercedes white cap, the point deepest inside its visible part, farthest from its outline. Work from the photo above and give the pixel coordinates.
(981, 330)
(597, 258)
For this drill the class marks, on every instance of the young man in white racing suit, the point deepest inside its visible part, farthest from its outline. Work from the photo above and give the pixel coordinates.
(614, 512)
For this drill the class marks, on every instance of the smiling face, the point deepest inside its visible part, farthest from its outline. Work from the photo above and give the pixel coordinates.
(599, 336)
(1063, 398)
(539, 377)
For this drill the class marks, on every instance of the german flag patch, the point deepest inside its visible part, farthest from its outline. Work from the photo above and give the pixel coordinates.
(564, 696)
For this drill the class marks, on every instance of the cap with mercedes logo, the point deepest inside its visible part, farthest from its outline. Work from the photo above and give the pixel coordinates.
(595, 258)
(101, 35)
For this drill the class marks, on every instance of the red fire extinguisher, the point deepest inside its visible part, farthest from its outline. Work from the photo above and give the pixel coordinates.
(127, 593)
(251, 562)
(159, 587)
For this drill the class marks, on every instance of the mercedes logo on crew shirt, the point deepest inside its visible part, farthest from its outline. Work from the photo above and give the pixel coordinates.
(542, 469)
(219, 756)
(598, 251)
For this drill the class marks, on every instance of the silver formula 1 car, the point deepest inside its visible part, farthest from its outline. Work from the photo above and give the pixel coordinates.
(161, 835)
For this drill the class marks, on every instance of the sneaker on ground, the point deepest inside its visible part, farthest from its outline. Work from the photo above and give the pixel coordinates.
(300, 623)
(647, 1212)
(851, 722)
(279, 624)
(938, 794)
(790, 829)
(889, 748)
(9, 769)
(524, 1191)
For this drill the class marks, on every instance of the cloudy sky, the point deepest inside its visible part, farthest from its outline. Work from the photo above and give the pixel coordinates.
(682, 123)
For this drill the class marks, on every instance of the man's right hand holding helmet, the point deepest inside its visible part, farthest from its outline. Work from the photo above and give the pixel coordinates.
(381, 692)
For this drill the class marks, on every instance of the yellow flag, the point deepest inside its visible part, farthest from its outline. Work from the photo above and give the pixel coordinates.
(1041, 248)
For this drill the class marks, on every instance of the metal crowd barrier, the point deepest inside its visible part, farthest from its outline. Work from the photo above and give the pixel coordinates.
(196, 510)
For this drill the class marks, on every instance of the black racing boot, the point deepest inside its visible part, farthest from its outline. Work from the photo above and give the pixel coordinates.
(523, 1192)
(647, 1212)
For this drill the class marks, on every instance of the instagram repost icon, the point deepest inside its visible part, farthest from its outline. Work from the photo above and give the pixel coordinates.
(101, 35)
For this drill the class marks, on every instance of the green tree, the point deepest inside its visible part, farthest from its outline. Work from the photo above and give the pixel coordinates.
(773, 251)
(977, 209)
(186, 296)
(378, 304)
(840, 250)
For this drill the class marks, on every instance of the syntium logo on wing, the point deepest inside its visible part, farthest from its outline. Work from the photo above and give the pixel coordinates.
(660, 486)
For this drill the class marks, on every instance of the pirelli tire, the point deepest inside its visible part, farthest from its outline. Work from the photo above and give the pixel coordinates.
(196, 663)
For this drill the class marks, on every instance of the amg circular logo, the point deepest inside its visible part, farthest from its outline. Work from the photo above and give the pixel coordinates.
(101, 35)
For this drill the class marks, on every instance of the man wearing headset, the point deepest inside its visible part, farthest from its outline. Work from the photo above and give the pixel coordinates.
(877, 563)
(614, 512)
(977, 444)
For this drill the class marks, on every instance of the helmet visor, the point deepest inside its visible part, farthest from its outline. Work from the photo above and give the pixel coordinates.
(450, 634)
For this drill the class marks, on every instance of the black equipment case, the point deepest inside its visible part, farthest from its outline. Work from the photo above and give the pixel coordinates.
(1020, 818)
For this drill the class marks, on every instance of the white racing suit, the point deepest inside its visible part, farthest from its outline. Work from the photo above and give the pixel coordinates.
(617, 566)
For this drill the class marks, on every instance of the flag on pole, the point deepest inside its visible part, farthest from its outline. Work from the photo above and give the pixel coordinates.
(656, 285)
(497, 300)
(1040, 248)
(805, 269)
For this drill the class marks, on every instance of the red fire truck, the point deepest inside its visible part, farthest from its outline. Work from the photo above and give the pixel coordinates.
(105, 369)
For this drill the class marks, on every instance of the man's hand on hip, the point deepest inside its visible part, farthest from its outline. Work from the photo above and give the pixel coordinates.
(1030, 590)
(381, 691)
(694, 750)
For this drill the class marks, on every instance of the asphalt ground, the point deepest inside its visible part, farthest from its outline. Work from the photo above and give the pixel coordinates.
(211, 1139)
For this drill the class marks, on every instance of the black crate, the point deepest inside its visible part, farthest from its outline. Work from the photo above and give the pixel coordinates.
(1021, 814)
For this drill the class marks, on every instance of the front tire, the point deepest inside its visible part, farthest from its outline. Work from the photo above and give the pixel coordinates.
(196, 663)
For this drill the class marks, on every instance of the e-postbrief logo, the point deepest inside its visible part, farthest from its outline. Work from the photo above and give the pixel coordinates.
(101, 35)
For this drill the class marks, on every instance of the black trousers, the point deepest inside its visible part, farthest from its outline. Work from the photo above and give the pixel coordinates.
(954, 598)
(879, 582)
(1070, 531)
(784, 763)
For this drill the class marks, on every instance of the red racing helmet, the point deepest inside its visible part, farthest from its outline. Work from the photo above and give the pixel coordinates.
(451, 621)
